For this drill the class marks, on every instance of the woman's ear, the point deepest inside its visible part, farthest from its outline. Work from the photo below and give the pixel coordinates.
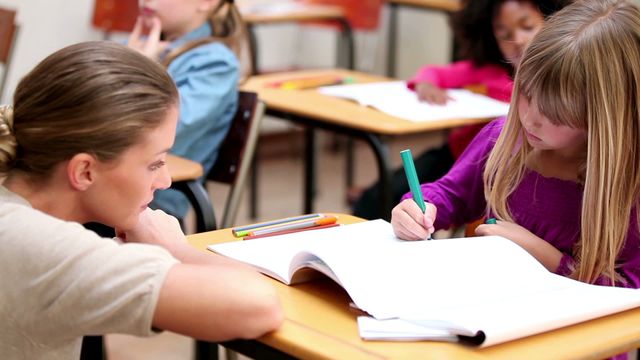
(81, 171)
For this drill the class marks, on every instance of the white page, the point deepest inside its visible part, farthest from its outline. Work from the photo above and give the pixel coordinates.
(399, 330)
(485, 284)
(395, 99)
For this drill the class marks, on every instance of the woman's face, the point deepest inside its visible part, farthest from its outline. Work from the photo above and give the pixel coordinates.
(516, 23)
(124, 188)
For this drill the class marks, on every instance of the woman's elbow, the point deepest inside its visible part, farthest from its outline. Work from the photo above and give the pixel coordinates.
(267, 316)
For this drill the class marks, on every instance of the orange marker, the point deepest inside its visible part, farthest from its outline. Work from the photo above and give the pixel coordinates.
(299, 225)
(290, 231)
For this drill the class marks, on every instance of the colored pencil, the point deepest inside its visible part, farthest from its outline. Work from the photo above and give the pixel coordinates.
(291, 231)
(241, 231)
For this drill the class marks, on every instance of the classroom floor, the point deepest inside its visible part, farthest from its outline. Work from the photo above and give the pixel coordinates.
(277, 199)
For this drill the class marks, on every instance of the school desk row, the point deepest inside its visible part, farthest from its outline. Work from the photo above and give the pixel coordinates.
(314, 110)
(278, 13)
(320, 324)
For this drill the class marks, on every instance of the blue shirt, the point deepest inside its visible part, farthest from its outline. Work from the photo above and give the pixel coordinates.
(207, 80)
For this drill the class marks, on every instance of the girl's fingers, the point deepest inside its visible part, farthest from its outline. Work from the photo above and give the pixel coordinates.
(137, 29)
(155, 31)
(407, 220)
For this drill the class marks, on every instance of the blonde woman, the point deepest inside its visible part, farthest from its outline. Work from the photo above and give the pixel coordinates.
(561, 173)
(200, 42)
(86, 141)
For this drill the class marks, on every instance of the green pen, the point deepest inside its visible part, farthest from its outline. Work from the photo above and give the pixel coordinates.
(412, 179)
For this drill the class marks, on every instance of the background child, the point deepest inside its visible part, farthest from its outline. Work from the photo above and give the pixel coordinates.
(195, 40)
(492, 35)
(562, 173)
(87, 141)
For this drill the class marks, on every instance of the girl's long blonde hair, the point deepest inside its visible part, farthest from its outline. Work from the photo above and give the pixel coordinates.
(229, 28)
(583, 70)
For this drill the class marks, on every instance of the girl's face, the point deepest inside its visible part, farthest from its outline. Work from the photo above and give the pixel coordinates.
(178, 17)
(541, 134)
(138, 173)
(516, 23)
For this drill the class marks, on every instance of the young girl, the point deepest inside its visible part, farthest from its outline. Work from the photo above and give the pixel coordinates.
(198, 37)
(86, 141)
(562, 173)
(492, 35)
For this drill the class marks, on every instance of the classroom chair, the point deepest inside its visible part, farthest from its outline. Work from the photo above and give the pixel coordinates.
(237, 152)
(8, 36)
(232, 168)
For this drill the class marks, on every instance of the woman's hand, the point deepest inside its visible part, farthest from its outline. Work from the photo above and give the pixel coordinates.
(544, 252)
(154, 227)
(409, 223)
(150, 46)
(432, 94)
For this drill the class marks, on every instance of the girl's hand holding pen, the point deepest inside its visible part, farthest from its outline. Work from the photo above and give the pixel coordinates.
(409, 223)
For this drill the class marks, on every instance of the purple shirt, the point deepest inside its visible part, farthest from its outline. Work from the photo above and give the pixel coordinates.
(548, 207)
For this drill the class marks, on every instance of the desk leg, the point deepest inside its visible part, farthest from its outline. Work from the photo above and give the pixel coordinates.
(206, 350)
(391, 40)
(381, 152)
(347, 39)
(253, 47)
(309, 169)
(350, 162)
(199, 199)
(253, 189)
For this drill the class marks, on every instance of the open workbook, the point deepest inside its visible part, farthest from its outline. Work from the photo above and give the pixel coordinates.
(482, 290)
(395, 99)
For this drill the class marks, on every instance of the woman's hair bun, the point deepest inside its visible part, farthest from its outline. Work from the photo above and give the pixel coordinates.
(8, 142)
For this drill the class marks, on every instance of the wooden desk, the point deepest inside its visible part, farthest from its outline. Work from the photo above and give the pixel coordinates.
(264, 15)
(185, 177)
(314, 110)
(320, 325)
(433, 5)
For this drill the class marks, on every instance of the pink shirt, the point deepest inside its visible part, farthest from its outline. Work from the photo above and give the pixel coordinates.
(492, 80)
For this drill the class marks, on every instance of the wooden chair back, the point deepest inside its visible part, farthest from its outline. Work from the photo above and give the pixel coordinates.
(236, 153)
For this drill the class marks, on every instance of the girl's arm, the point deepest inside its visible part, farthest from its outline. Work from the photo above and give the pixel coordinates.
(543, 251)
(457, 196)
(454, 75)
(206, 296)
(495, 80)
(207, 81)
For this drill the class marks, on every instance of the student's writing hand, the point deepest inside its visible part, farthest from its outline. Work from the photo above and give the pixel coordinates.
(544, 252)
(150, 46)
(432, 94)
(154, 227)
(409, 223)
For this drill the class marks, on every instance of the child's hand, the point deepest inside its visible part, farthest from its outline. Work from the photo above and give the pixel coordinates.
(432, 94)
(150, 46)
(544, 252)
(154, 227)
(409, 223)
